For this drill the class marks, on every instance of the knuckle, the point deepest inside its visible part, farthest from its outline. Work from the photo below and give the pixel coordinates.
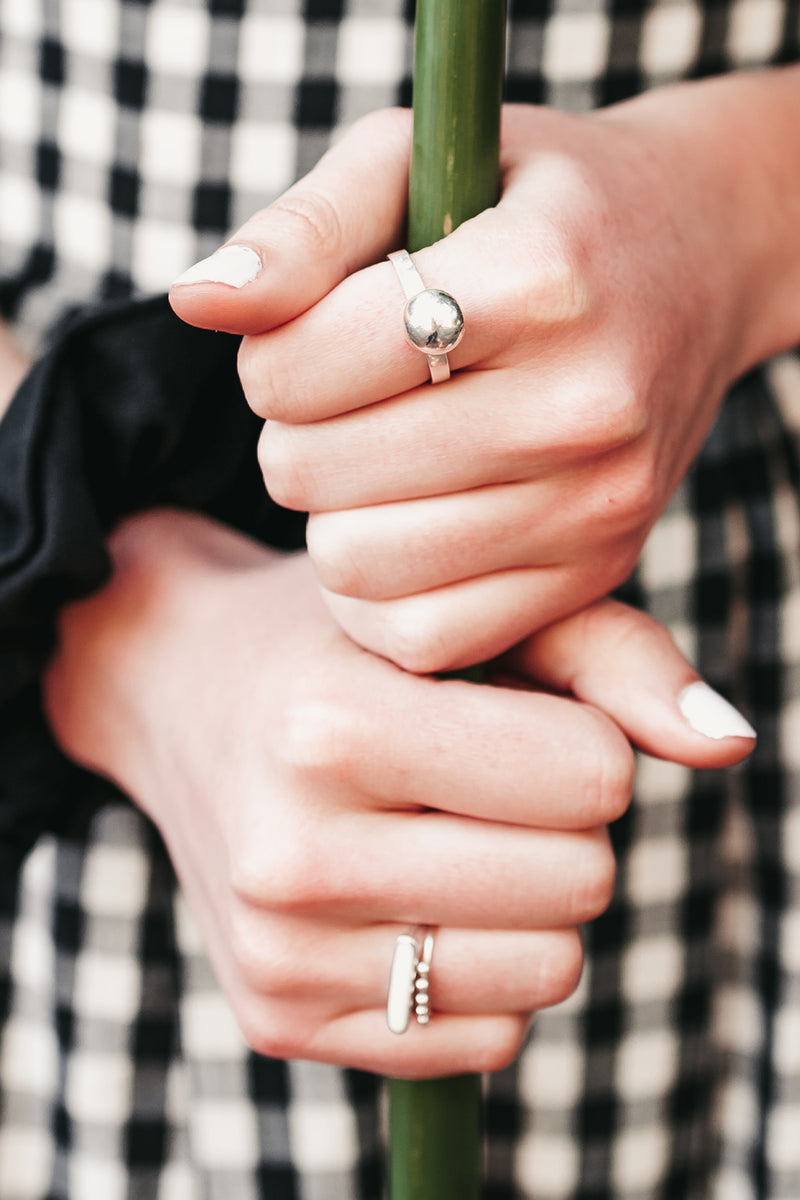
(247, 946)
(276, 380)
(611, 565)
(562, 969)
(594, 878)
(321, 737)
(501, 1047)
(622, 408)
(415, 640)
(634, 494)
(561, 294)
(599, 422)
(267, 961)
(559, 264)
(253, 368)
(573, 242)
(613, 774)
(283, 876)
(267, 380)
(336, 556)
(291, 869)
(268, 1030)
(317, 219)
(286, 476)
(602, 415)
(544, 284)
(246, 365)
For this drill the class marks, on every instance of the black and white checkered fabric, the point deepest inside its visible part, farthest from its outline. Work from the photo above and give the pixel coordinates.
(134, 134)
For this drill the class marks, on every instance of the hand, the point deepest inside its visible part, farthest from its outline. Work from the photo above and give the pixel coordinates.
(317, 801)
(609, 298)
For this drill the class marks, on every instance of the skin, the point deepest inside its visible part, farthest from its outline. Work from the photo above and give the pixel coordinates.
(317, 800)
(13, 366)
(638, 262)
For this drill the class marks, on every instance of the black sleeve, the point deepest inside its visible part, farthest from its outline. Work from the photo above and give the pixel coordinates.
(129, 409)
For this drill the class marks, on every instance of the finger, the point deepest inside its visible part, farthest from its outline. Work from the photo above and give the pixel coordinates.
(517, 300)
(278, 1021)
(628, 665)
(357, 330)
(448, 1046)
(479, 429)
(459, 1044)
(399, 742)
(477, 619)
(442, 869)
(390, 550)
(344, 969)
(347, 212)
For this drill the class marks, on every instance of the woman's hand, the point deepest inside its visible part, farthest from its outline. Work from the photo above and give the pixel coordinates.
(638, 261)
(317, 801)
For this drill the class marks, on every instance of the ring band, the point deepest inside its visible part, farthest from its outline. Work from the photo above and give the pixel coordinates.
(422, 999)
(401, 983)
(409, 982)
(434, 322)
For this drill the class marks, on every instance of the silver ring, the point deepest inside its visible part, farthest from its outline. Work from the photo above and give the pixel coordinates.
(433, 320)
(409, 982)
(422, 998)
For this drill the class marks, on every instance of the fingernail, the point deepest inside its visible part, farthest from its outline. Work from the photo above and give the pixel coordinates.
(232, 265)
(710, 714)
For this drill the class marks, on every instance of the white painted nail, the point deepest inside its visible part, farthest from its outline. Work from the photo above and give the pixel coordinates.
(232, 265)
(710, 714)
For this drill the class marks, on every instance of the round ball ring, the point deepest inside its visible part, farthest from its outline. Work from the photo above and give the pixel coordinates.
(433, 320)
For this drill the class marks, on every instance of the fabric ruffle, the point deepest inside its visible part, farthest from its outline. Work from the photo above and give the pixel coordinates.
(129, 409)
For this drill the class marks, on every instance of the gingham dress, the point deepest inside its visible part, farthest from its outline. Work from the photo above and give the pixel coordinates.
(133, 136)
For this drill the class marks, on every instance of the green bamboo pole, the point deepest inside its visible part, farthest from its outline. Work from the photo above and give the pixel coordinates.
(435, 1138)
(459, 55)
(458, 79)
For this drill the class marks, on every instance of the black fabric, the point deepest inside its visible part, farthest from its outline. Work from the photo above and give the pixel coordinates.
(128, 410)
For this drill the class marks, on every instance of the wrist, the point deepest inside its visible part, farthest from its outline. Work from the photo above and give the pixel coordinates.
(134, 641)
(731, 145)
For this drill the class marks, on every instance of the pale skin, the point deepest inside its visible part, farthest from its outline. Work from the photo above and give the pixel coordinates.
(638, 262)
(318, 800)
(13, 367)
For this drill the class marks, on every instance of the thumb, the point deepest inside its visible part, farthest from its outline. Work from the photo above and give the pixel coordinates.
(625, 663)
(346, 213)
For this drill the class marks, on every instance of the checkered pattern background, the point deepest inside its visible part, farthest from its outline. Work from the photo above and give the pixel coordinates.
(133, 136)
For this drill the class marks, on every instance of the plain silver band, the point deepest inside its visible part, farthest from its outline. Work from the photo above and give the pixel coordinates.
(408, 982)
(401, 983)
(412, 284)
